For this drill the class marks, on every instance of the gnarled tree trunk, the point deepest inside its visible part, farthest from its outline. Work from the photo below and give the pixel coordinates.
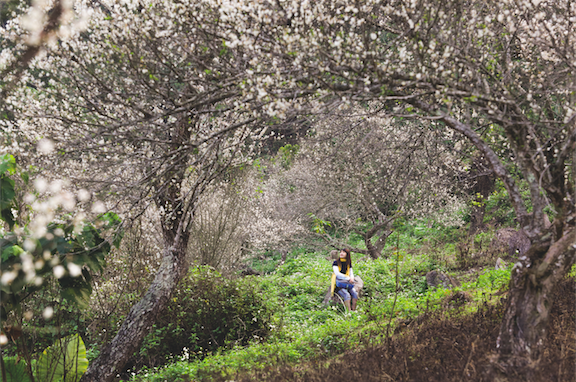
(380, 231)
(375, 250)
(552, 251)
(176, 215)
(525, 322)
(143, 315)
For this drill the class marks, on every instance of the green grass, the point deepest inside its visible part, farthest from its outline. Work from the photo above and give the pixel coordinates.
(304, 328)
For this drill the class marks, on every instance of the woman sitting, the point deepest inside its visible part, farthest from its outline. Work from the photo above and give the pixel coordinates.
(343, 279)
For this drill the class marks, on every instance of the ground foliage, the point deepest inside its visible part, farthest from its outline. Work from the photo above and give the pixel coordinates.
(436, 348)
(207, 312)
(434, 328)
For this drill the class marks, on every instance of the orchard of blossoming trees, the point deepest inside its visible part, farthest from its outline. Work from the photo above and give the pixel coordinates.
(368, 168)
(148, 103)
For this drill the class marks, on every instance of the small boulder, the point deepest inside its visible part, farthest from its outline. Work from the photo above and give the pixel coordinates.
(500, 264)
(248, 271)
(509, 240)
(334, 255)
(358, 286)
(458, 299)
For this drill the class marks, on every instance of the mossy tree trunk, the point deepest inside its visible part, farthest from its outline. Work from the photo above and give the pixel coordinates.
(375, 250)
(375, 238)
(553, 248)
(523, 329)
(176, 207)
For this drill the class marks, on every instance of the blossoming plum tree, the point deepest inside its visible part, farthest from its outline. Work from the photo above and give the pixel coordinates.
(360, 172)
(141, 109)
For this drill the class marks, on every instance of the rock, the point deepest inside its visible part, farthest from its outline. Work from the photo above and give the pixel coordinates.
(249, 272)
(435, 279)
(509, 240)
(500, 264)
(327, 297)
(358, 286)
(520, 242)
(334, 255)
(547, 223)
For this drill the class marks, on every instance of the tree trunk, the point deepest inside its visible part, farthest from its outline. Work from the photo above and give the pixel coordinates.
(525, 322)
(142, 316)
(482, 186)
(477, 218)
(375, 250)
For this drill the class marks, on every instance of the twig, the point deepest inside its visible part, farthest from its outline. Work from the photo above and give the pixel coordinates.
(397, 282)
(469, 358)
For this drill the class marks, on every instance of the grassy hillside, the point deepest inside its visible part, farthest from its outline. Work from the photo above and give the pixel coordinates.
(297, 329)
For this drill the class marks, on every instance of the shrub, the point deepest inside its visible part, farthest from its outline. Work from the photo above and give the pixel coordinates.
(208, 312)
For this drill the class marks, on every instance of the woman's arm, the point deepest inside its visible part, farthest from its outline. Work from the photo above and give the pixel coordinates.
(339, 275)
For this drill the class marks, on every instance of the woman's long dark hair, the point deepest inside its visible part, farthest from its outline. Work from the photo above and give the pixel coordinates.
(348, 258)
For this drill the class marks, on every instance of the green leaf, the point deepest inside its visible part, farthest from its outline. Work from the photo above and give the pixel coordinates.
(25, 177)
(16, 371)
(64, 361)
(7, 192)
(8, 217)
(63, 246)
(112, 219)
(7, 195)
(78, 295)
(7, 164)
(11, 251)
(88, 236)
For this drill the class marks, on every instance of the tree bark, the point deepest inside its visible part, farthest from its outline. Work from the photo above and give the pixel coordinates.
(523, 329)
(142, 315)
(490, 156)
(549, 258)
(483, 185)
(477, 218)
(376, 250)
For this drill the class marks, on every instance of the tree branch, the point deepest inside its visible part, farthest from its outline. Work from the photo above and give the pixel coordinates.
(495, 163)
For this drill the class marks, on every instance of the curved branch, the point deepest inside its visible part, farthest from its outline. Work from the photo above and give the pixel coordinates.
(484, 148)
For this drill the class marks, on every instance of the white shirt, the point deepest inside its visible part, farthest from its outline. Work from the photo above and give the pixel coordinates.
(341, 276)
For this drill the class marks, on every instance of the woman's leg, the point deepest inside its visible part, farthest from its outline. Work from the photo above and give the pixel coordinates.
(354, 299)
(345, 296)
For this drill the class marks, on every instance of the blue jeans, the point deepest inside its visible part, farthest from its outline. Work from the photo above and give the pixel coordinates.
(346, 290)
